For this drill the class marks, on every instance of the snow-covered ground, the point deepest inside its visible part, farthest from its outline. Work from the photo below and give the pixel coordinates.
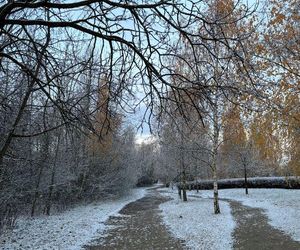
(69, 230)
(195, 222)
(282, 206)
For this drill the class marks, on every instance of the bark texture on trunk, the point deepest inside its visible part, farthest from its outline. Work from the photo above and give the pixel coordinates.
(214, 155)
(179, 192)
(216, 195)
(246, 181)
(184, 196)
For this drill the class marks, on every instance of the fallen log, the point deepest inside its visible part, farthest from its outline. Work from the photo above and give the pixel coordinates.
(291, 182)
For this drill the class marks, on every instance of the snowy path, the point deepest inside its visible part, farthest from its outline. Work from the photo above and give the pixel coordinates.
(240, 227)
(254, 232)
(139, 226)
(281, 206)
(265, 219)
(69, 230)
(256, 217)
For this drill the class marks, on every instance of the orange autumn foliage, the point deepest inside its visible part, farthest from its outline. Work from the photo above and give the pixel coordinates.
(233, 128)
(106, 123)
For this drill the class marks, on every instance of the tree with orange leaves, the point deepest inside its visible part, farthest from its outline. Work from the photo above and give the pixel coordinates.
(106, 122)
(276, 132)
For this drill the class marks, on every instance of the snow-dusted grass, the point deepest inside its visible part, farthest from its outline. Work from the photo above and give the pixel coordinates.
(199, 226)
(282, 206)
(69, 230)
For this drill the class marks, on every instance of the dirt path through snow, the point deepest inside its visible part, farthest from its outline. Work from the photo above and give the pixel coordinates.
(254, 232)
(139, 227)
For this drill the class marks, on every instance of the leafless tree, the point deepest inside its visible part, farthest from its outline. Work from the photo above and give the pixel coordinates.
(55, 59)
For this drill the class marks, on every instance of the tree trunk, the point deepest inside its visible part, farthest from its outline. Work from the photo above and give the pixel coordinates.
(1, 173)
(51, 187)
(42, 163)
(179, 192)
(36, 193)
(49, 203)
(246, 181)
(87, 162)
(214, 156)
(216, 195)
(82, 183)
(184, 196)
